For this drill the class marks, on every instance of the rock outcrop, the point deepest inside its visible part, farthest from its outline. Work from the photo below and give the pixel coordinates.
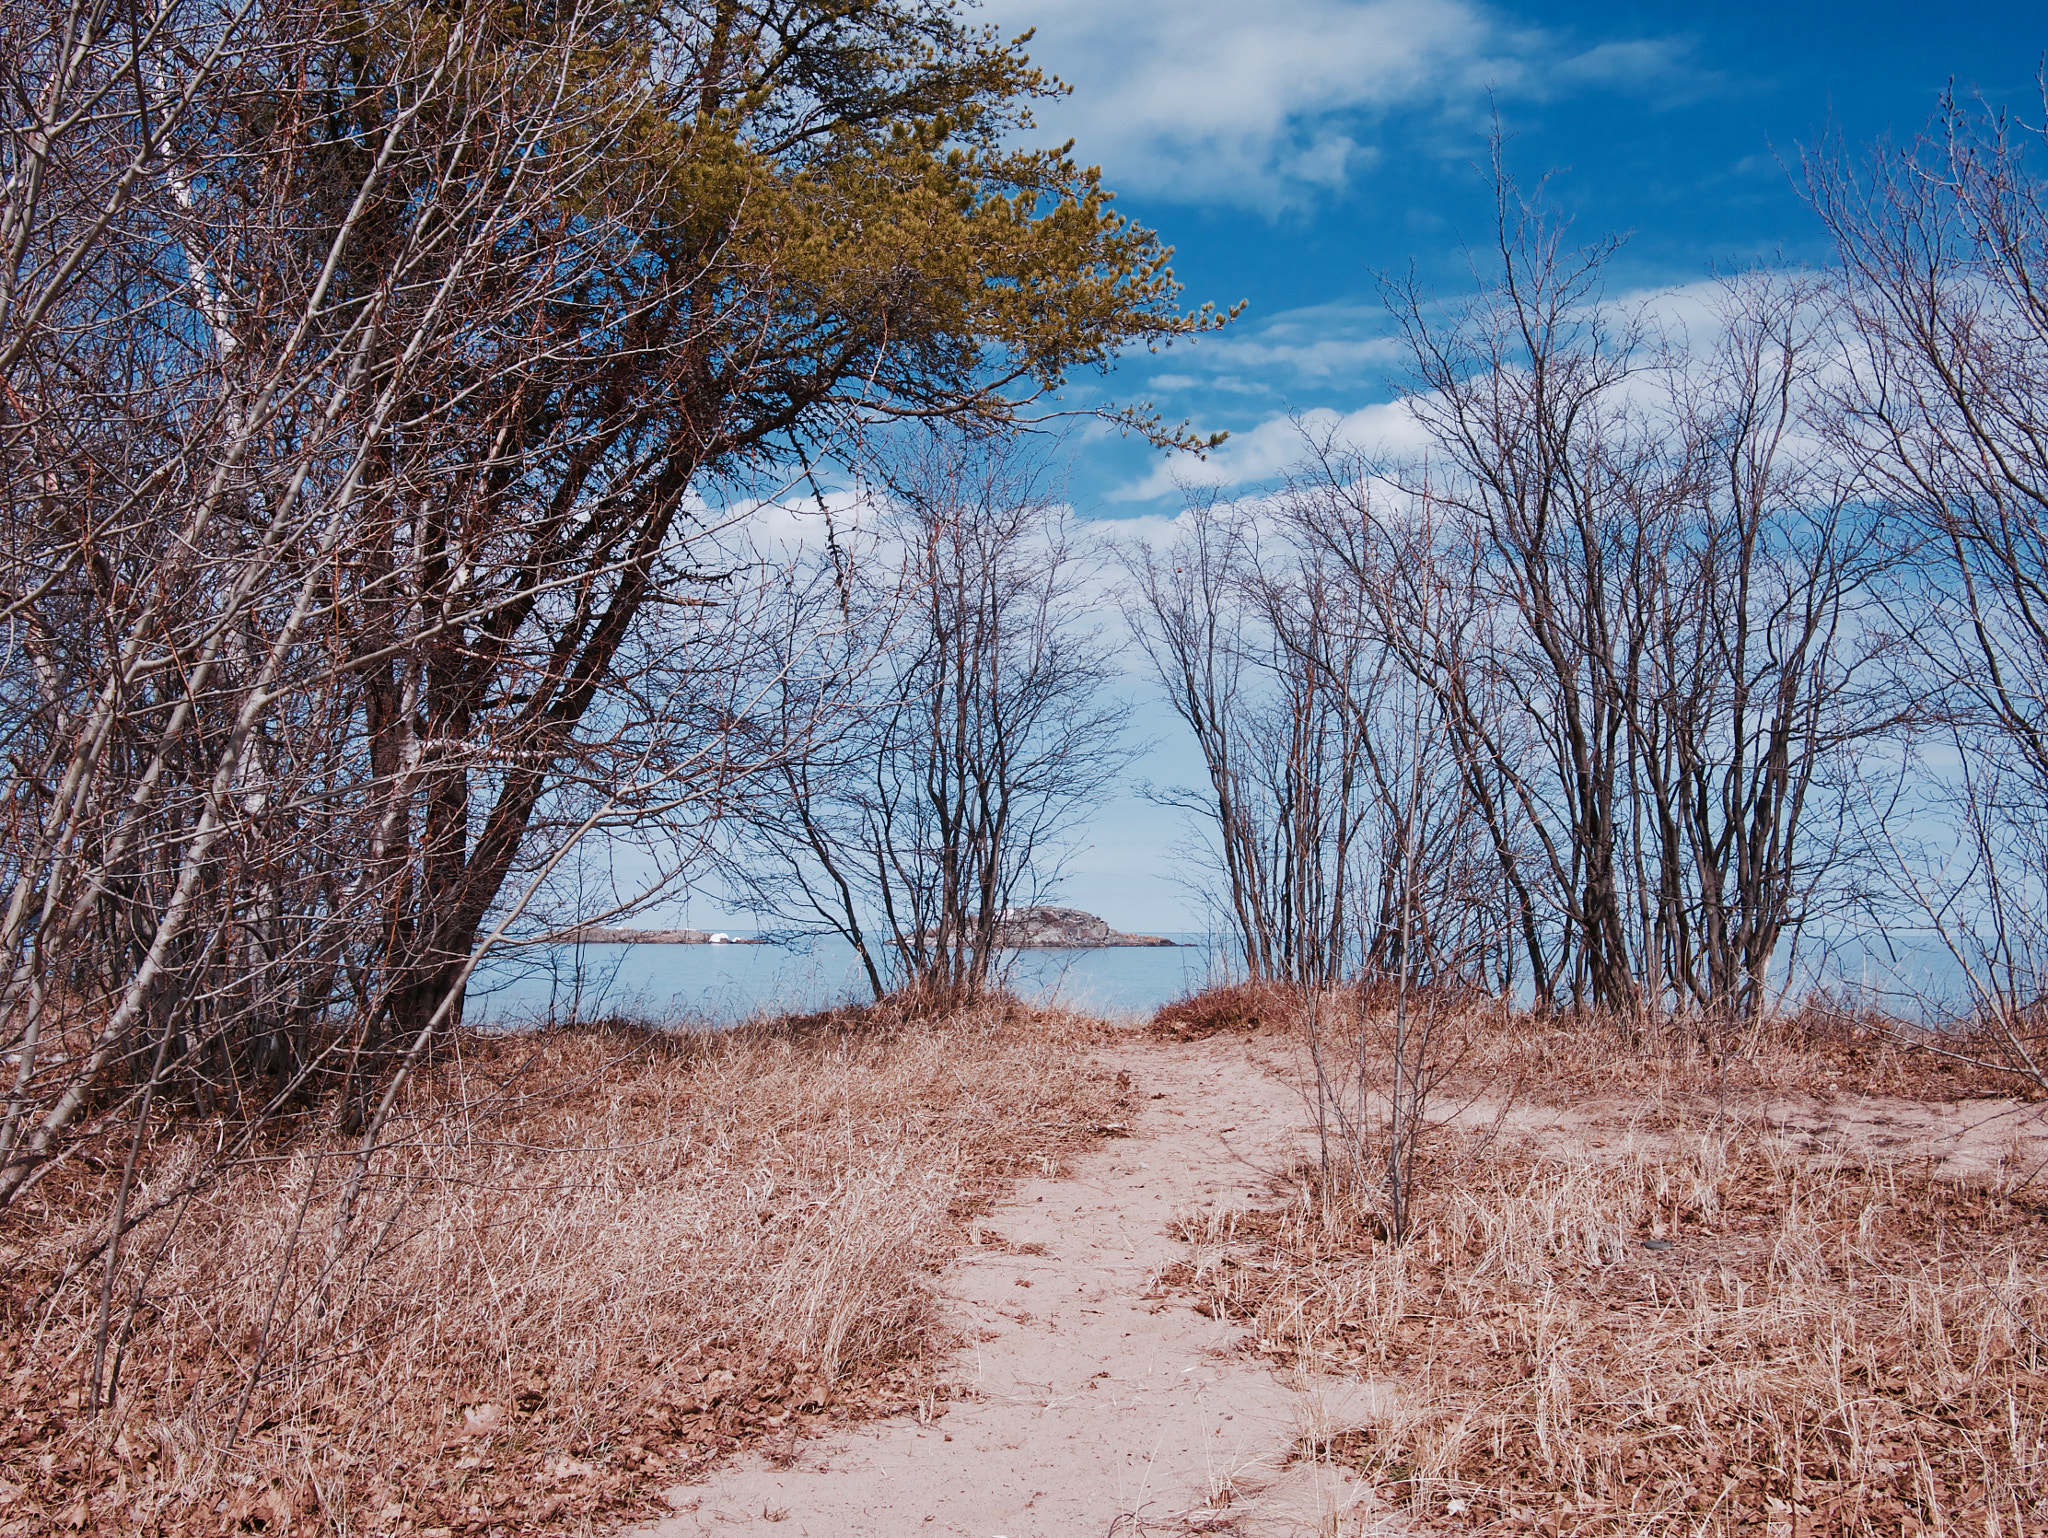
(1062, 929)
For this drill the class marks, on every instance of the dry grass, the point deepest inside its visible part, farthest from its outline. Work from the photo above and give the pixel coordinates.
(1246, 1007)
(1705, 1330)
(1818, 1050)
(1563, 1059)
(589, 1262)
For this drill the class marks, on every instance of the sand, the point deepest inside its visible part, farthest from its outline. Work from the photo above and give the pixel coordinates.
(1094, 1405)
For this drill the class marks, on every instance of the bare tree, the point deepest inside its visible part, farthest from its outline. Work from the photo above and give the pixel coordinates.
(205, 401)
(971, 730)
(1260, 665)
(1454, 841)
(1942, 248)
(1624, 612)
(1665, 654)
(1186, 606)
(1265, 625)
(368, 379)
(1765, 677)
(364, 381)
(1566, 491)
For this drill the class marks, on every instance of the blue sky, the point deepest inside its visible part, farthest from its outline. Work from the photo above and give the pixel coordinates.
(1293, 149)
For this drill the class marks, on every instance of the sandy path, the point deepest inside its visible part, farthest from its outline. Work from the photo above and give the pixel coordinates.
(1095, 1409)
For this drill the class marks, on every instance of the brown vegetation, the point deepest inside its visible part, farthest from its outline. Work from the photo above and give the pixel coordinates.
(1822, 1047)
(591, 1261)
(1231, 1007)
(1859, 1349)
(1819, 1049)
(1657, 1312)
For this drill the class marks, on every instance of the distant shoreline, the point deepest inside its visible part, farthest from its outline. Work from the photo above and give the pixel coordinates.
(599, 934)
(1114, 942)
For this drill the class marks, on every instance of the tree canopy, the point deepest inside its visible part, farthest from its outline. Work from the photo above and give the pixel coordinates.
(371, 373)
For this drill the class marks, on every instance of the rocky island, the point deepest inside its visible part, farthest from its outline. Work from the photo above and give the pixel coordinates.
(1060, 929)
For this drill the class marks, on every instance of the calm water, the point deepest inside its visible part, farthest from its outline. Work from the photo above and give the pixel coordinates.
(723, 983)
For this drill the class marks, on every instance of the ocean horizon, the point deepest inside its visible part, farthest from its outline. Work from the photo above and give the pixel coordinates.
(725, 984)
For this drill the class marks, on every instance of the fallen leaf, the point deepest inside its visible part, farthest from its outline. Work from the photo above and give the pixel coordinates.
(482, 1419)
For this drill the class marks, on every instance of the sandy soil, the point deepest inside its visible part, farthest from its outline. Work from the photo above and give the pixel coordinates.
(1096, 1407)
(1954, 1140)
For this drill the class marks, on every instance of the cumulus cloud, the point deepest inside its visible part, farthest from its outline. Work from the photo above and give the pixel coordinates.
(1279, 443)
(1264, 106)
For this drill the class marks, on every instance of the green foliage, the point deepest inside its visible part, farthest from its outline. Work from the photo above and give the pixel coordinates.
(850, 166)
(831, 218)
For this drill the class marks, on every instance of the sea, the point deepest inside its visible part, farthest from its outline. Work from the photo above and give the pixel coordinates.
(716, 985)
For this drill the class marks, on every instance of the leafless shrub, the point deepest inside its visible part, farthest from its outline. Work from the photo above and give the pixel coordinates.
(1375, 1077)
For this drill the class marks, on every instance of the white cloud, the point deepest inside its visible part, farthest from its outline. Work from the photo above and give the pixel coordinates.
(1339, 343)
(1625, 65)
(1265, 105)
(1278, 444)
(1672, 325)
